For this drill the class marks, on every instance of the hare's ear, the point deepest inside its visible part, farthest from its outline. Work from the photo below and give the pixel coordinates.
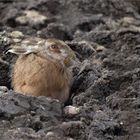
(19, 51)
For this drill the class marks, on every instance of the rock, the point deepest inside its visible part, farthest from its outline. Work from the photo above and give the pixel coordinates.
(31, 17)
(3, 89)
(71, 110)
(100, 48)
(16, 34)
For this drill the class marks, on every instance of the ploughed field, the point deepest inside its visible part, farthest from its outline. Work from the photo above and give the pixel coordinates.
(105, 95)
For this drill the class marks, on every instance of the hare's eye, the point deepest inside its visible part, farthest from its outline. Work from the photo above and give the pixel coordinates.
(54, 47)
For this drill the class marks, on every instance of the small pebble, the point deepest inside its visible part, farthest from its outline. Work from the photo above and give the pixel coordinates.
(100, 48)
(50, 134)
(31, 17)
(3, 89)
(16, 34)
(71, 110)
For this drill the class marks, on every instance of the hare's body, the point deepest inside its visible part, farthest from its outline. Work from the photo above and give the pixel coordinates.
(43, 71)
(37, 76)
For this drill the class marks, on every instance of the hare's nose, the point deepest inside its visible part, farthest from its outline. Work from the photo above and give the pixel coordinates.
(64, 53)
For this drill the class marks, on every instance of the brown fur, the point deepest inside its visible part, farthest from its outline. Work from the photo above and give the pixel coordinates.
(34, 75)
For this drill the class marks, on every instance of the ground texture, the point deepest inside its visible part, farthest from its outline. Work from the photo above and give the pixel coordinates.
(105, 35)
